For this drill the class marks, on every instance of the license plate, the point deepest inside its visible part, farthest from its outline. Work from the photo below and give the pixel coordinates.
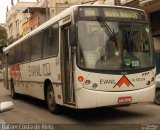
(124, 100)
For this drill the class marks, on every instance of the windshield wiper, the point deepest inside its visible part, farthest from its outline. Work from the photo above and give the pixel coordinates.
(108, 30)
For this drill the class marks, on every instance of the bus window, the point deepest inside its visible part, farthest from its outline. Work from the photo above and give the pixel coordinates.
(36, 46)
(50, 42)
(26, 50)
(18, 57)
(11, 56)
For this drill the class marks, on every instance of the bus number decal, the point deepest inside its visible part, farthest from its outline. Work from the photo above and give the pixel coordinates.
(46, 69)
(36, 70)
(138, 79)
(145, 74)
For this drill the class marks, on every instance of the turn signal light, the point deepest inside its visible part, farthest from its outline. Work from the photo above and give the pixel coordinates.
(80, 78)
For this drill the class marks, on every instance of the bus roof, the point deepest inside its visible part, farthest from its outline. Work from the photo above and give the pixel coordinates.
(55, 19)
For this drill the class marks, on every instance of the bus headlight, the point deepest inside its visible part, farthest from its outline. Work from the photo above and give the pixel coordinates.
(148, 83)
(152, 79)
(87, 82)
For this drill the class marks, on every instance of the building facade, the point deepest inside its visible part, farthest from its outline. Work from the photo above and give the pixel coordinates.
(15, 19)
(37, 16)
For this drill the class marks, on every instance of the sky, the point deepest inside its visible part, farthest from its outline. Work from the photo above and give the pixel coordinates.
(3, 8)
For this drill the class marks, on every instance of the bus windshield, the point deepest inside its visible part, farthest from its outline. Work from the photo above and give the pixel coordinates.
(108, 45)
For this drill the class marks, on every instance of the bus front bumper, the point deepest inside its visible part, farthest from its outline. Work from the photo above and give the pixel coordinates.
(92, 99)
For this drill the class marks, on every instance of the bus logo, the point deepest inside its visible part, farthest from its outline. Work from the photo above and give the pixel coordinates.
(124, 80)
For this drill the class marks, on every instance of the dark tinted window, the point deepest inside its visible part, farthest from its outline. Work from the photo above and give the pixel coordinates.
(50, 41)
(36, 46)
(11, 56)
(26, 50)
(18, 57)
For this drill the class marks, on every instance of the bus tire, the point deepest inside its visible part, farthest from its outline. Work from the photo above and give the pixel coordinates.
(157, 97)
(50, 100)
(14, 95)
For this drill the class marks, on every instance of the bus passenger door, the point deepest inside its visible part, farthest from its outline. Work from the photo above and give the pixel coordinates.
(67, 69)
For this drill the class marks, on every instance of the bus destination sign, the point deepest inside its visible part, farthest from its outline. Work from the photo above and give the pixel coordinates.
(111, 12)
(121, 13)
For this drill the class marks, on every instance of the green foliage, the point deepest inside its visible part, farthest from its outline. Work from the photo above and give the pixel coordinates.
(3, 36)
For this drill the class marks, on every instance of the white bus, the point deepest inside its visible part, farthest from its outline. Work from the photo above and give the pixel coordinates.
(87, 56)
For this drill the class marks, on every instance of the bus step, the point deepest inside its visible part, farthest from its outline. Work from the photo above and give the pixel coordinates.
(70, 105)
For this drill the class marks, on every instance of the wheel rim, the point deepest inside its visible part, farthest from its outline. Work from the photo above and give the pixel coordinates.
(50, 99)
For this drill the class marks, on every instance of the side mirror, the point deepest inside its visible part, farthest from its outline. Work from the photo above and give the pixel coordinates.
(72, 35)
(5, 106)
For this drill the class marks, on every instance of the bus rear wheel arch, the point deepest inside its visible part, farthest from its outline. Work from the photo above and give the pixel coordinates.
(50, 100)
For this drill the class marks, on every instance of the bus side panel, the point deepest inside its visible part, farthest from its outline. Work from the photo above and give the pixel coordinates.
(31, 77)
(58, 93)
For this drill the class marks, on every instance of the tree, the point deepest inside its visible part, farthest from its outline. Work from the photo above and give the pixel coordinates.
(3, 38)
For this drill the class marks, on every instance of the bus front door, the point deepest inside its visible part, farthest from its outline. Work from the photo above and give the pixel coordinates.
(67, 69)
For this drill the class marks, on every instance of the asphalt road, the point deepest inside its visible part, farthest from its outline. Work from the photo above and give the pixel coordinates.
(28, 110)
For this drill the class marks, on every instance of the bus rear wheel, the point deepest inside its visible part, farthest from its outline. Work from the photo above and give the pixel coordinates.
(14, 95)
(50, 99)
(157, 97)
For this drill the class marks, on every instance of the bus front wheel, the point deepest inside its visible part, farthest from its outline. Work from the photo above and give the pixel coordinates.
(50, 99)
(157, 97)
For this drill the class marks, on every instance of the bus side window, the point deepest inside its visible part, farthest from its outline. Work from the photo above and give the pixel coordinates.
(50, 42)
(45, 41)
(26, 50)
(36, 46)
(54, 41)
(18, 53)
(11, 56)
